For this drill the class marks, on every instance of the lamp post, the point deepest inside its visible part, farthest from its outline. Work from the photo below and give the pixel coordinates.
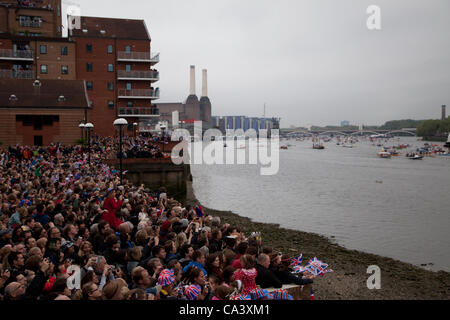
(163, 127)
(89, 127)
(120, 123)
(82, 126)
(134, 129)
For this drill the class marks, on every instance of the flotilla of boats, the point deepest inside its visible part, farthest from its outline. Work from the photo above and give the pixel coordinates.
(386, 152)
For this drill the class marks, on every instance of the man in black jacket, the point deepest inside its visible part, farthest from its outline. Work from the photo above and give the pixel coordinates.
(266, 278)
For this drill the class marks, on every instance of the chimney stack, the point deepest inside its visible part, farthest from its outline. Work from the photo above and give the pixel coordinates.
(192, 90)
(444, 115)
(205, 83)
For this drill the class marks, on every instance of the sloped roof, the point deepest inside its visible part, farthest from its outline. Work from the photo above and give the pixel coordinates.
(45, 96)
(95, 27)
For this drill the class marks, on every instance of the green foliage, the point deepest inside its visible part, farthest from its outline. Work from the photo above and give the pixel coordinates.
(81, 141)
(432, 128)
(401, 124)
(1, 143)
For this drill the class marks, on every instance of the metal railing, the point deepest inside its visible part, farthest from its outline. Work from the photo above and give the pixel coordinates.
(32, 24)
(138, 111)
(154, 75)
(146, 56)
(16, 54)
(148, 93)
(13, 74)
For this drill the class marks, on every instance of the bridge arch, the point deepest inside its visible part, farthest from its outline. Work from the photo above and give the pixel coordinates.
(402, 131)
(337, 132)
(364, 132)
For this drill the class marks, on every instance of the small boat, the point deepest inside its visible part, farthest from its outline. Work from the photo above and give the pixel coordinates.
(348, 146)
(447, 144)
(318, 146)
(384, 154)
(416, 157)
(284, 148)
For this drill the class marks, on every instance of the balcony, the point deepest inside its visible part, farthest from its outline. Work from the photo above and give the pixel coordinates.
(149, 57)
(142, 112)
(31, 24)
(151, 75)
(13, 74)
(22, 55)
(139, 94)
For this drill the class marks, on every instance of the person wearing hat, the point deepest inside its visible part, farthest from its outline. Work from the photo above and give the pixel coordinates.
(166, 280)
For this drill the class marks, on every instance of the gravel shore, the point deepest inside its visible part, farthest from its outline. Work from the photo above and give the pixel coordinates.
(399, 280)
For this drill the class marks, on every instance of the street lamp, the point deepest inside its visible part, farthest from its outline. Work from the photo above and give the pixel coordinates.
(134, 129)
(120, 123)
(163, 127)
(82, 126)
(89, 127)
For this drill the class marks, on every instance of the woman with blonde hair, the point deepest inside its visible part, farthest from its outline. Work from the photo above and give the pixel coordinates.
(89, 291)
(181, 240)
(115, 290)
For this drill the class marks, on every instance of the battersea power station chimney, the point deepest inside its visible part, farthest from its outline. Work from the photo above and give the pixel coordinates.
(205, 83)
(192, 89)
(444, 115)
(205, 104)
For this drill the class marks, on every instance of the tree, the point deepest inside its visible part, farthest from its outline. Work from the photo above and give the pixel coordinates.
(428, 128)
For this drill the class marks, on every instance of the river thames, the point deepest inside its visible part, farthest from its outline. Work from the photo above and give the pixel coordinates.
(395, 207)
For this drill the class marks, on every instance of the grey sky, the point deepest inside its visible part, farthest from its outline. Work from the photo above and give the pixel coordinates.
(312, 62)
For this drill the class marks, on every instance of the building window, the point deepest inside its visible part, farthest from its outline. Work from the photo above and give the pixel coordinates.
(110, 86)
(64, 51)
(130, 104)
(110, 105)
(64, 70)
(128, 68)
(110, 48)
(128, 86)
(127, 49)
(89, 48)
(89, 67)
(110, 68)
(89, 85)
(43, 68)
(43, 49)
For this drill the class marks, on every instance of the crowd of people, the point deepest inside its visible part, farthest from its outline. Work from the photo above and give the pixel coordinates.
(70, 231)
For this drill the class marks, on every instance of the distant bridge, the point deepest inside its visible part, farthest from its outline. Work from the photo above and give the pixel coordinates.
(289, 132)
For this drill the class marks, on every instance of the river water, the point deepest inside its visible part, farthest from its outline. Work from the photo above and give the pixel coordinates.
(397, 207)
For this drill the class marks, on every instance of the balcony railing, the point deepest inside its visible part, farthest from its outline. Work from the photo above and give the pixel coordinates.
(32, 24)
(138, 56)
(9, 54)
(13, 74)
(138, 75)
(138, 112)
(139, 94)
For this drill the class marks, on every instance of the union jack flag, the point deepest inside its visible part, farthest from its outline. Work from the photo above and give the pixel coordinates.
(299, 269)
(316, 267)
(297, 260)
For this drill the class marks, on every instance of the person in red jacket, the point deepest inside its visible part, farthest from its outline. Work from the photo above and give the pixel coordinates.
(112, 205)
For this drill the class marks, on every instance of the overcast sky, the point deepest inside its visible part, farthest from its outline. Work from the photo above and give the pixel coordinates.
(310, 61)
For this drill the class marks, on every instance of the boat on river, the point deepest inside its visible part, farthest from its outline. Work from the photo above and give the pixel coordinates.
(384, 154)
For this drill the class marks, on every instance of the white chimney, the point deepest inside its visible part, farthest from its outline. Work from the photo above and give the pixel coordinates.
(205, 83)
(192, 91)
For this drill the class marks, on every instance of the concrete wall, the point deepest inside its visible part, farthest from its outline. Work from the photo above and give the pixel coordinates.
(156, 173)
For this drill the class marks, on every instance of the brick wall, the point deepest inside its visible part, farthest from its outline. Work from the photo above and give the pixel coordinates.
(65, 131)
